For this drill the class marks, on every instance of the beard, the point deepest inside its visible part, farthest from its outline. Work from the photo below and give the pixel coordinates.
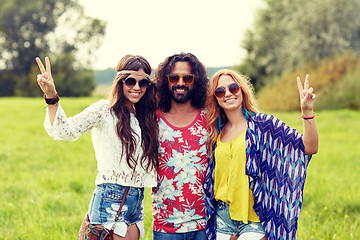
(181, 98)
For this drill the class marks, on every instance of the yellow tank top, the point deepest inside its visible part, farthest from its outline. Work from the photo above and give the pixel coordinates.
(231, 184)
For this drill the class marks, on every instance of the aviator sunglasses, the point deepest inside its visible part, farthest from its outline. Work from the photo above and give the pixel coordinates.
(131, 82)
(175, 78)
(220, 91)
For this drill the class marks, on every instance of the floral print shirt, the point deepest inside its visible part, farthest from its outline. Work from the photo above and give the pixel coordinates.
(179, 198)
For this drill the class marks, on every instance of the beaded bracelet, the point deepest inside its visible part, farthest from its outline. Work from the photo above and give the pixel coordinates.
(52, 101)
(308, 117)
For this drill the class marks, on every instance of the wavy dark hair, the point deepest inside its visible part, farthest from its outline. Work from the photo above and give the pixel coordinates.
(201, 82)
(145, 113)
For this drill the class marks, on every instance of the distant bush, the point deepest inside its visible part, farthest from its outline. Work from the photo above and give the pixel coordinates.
(335, 82)
(345, 93)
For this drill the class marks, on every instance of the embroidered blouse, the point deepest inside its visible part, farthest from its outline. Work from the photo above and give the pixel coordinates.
(111, 163)
(276, 165)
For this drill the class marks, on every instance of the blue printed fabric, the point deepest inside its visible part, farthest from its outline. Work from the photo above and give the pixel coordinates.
(276, 165)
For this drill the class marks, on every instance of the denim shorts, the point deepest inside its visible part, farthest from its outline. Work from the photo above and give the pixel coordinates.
(105, 204)
(196, 235)
(225, 225)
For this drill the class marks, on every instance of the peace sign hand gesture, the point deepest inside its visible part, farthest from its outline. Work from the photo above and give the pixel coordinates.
(45, 79)
(307, 98)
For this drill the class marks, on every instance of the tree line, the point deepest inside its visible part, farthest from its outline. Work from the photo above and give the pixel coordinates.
(30, 28)
(287, 36)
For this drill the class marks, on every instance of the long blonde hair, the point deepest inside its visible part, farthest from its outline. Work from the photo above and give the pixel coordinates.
(213, 108)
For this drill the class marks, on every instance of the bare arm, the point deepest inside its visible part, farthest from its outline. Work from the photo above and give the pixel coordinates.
(47, 85)
(307, 100)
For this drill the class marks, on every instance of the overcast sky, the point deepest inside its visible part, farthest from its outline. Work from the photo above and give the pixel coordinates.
(210, 29)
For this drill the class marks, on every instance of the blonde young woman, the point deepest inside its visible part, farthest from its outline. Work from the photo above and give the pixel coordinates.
(124, 133)
(255, 180)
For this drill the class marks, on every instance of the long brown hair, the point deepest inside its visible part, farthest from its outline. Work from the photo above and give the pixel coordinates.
(200, 86)
(145, 113)
(213, 108)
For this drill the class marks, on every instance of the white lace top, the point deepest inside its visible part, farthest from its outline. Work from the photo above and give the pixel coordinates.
(111, 165)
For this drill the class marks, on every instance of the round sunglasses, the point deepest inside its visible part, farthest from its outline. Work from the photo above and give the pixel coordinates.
(131, 82)
(220, 91)
(175, 78)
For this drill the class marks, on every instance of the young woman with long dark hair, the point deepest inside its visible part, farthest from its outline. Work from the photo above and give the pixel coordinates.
(125, 138)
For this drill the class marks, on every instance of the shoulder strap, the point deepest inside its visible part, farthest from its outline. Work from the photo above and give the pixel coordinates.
(121, 204)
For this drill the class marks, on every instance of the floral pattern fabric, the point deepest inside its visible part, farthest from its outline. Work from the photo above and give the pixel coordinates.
(179, 198)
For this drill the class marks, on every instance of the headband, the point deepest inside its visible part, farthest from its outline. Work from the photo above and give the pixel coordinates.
(132, 72)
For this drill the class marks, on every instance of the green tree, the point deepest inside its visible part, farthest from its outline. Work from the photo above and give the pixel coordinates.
(57, 28)
(287, 35)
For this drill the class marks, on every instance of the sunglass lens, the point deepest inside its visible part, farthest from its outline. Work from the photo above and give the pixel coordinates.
(144, 83)
(234, 88)
(188, 78)
(219, 92)
(173, 78)
(130, 82)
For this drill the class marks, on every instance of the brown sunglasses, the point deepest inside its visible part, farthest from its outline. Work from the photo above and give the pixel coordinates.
(175, 78)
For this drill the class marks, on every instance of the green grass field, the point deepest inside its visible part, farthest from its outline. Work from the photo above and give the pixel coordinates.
(46, 185)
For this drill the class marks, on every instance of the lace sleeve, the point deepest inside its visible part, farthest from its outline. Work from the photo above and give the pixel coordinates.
(70, 129)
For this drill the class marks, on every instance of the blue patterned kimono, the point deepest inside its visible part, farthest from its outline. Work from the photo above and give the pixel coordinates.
(276, 165)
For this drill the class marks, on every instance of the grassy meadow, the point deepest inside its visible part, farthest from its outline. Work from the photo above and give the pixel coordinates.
(46, 185)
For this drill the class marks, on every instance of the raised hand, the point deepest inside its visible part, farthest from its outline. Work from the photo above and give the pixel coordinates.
(45, 79)
(307, 98)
